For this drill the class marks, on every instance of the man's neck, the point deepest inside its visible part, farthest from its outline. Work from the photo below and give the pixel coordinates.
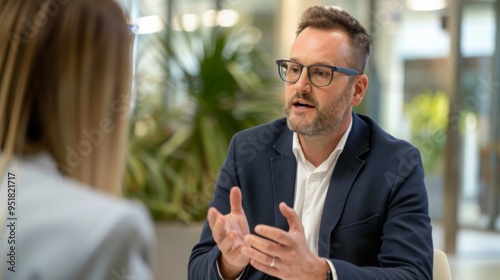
(318, 148)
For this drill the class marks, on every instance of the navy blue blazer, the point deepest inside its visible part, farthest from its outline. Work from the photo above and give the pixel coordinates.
(375, 222)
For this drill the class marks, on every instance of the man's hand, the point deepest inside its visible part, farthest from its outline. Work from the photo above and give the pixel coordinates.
(228, 232)
(282, 254)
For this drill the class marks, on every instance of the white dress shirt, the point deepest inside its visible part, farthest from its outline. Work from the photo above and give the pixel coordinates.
(311, 186)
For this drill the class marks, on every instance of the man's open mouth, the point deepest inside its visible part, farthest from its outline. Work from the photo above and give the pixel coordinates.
(302, 105)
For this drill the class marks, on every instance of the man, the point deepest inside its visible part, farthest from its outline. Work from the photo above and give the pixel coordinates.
(360, 208)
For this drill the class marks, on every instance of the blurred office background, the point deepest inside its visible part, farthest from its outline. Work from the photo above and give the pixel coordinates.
(434, 80)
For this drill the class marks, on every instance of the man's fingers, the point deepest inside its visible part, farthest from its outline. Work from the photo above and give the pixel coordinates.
(235, 200)
(259, 256)
(277, 235)
(293, 219)
(217, 224)
(212, 216)
(263, 245)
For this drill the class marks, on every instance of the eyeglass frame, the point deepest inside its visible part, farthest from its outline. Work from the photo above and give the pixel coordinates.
(343, 70)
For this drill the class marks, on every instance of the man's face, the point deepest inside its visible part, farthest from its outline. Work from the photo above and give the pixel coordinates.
(312, 110)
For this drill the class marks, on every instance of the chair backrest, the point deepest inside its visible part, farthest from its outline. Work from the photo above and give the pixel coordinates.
(441, 270)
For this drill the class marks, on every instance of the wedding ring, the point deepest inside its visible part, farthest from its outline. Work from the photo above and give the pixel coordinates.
(272, 262)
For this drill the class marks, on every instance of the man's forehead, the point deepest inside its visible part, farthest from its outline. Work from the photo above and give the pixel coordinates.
(319, 44)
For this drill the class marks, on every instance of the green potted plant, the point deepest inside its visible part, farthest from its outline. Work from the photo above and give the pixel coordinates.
(226, 84)
(428, 113)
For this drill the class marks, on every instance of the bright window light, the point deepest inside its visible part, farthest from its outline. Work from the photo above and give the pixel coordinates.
(426, 5)
(228, 18)
(149, 24)
(190, 22)
(224, 18)
(209, 18)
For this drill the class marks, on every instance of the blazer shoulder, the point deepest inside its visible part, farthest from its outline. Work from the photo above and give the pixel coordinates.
(370, 137)
(379, 137)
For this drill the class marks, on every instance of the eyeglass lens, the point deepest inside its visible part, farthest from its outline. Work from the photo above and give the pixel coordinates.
(319, 75)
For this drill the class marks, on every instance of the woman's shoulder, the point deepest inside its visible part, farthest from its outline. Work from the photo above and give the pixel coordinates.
(64, 221)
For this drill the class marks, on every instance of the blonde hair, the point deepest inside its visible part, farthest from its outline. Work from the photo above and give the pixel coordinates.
(65, 74)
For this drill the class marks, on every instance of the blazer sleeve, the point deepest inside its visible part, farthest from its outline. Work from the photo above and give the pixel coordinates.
(203, 259)
(121, 245)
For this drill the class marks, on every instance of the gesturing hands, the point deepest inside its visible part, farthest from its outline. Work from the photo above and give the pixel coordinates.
(228, 232)
(276, 252)
(284, 255)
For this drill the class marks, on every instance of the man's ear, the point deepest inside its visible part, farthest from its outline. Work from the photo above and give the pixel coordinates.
(359, 87)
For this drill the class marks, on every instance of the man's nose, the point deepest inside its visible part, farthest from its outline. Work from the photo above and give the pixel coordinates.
(304, 83)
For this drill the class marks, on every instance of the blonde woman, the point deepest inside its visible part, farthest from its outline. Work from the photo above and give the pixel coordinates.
(65, 75)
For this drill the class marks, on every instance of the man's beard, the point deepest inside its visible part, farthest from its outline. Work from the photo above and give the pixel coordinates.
(326, 120)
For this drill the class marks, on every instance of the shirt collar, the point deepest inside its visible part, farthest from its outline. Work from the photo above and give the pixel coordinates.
(41, 162)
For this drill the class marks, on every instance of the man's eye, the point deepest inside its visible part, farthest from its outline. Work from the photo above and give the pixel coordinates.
(294, 69)
(320, 73)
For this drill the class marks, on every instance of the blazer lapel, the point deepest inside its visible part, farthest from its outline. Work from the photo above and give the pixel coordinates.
(346, 170)
(284, 169)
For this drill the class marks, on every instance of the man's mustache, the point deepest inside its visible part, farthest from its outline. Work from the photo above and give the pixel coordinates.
(305, 97)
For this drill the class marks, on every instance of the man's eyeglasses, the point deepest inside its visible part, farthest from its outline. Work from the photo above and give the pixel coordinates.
(319, 75)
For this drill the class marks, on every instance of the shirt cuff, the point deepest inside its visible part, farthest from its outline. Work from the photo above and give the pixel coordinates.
(332, 270)
(241, 274)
